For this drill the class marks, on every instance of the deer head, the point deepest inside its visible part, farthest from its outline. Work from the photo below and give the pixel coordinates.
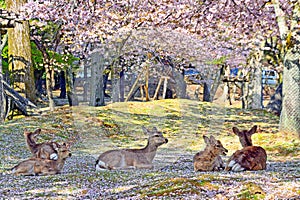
(245, 135)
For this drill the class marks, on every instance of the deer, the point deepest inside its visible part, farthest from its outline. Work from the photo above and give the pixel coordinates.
(39, 166)
(123, 159)
(209, 159)
(45, 150)
(249, 157)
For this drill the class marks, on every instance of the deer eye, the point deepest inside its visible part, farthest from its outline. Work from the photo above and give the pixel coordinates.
(156, 135)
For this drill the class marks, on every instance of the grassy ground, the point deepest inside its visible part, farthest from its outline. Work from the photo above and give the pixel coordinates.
(184, 122)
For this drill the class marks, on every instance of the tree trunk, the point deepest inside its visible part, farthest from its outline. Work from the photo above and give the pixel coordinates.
(115, 84)
(2, 100)
(225, 96)
(180, 84)
(49, 86)
(62, 84)
(19, 52)
(245, 94)
(206, 92)
(97, 94)
(217, 80)
(290, 114)
(255, 85)
(70, 89)
(122, 86)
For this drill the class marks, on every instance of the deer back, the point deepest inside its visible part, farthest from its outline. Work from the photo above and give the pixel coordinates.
(133, 158)
(249, 157)
(209, 159)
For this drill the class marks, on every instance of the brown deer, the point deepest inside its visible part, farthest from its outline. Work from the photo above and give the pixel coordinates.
(45, 150)
(250, 157)
(133, 158)
(209, 159)
(39, 166)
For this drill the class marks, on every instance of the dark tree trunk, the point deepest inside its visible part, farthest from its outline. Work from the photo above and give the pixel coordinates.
(46, 59)
(62, 85)
(70, 89)
(122, 86)
(2, 100)
(206, 92)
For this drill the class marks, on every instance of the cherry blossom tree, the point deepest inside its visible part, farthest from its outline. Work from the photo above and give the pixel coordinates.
(228, 28)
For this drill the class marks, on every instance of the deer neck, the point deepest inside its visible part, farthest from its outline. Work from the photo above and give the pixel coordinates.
(150, 150)
(246, 142)
(59, 163)
(212, 153)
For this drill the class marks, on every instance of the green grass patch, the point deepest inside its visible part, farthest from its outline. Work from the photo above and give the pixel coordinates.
(176, 186)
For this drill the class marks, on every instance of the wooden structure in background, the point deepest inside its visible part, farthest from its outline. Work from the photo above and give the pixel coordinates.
(165, 79)
(14, 101)
(229, 80)
(7, 19)
(140, 84)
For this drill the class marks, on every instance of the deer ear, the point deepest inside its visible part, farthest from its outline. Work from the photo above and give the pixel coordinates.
(236, 130)
(154, 129)
(212, 139)
(145, 130)
(37, 131)
(68, 145)
(206, 139)
(252, 130)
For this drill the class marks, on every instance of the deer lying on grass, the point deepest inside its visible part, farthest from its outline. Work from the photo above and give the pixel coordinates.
(248, 158)
(45, 150)
(209, 159)
(132, 158)
(39, 166)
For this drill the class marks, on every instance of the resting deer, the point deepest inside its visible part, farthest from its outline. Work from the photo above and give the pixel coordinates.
(248, 158)
(45, 150)
(133, 158)
(209, 159)
(39, 166)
